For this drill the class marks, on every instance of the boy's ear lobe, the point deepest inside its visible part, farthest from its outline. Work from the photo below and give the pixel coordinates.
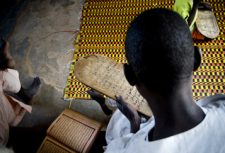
(129, 74)
(197, 57)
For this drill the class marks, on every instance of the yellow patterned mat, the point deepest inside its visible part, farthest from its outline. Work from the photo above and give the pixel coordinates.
(102, 31)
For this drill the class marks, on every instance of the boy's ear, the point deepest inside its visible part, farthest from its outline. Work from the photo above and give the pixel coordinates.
(129, 74)
(197, 57)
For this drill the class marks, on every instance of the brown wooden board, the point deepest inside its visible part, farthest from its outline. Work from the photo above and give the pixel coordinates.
(106, 76)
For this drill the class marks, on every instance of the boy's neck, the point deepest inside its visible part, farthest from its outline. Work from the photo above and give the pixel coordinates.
(175, 113)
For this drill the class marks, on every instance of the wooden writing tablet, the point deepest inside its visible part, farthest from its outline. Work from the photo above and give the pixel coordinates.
(106, 76)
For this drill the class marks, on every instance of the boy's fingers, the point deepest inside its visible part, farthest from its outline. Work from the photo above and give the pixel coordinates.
(118, 103)
(121, 104)
(95, 95)
(120, 100)
(91, 92)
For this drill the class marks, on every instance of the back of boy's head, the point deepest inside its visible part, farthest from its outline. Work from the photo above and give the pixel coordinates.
(159, 48)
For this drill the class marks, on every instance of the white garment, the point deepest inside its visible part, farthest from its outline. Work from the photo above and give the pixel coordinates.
(11, 81)
(207, 137)
(12, 110)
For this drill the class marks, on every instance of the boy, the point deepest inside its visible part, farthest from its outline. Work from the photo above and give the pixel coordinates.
(161, 58)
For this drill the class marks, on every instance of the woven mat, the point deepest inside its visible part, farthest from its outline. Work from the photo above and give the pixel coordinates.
(103, 27)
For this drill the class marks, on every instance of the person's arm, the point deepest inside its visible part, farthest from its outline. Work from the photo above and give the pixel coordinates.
(130, 113)
(101, 100)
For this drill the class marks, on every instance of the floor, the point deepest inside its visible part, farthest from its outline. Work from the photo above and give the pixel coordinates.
(42, 46)
(41, 42)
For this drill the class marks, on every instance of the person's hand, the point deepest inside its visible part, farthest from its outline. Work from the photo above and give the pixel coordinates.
(101, 100)
(96, 96)
(130, 113)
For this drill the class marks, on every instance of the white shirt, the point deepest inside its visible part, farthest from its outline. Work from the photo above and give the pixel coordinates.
(11, 81)
(12, 110)
(207, 137)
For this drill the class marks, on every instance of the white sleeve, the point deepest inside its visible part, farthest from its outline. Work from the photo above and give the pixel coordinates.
(118, 126)
(11, 81)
